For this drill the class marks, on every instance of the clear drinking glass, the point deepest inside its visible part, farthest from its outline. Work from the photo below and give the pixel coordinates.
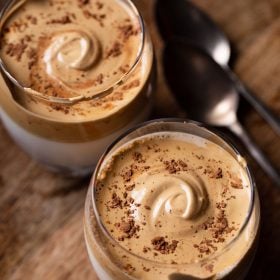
(109, 258)
(72, 145)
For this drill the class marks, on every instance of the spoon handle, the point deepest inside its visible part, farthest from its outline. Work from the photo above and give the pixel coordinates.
(255, 151)
(261, 108)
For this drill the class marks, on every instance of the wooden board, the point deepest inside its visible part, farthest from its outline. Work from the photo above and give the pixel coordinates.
(41, 214)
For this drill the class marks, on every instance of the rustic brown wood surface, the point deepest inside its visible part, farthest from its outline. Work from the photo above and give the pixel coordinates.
(41, 214)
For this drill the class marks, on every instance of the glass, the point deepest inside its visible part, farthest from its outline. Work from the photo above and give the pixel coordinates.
(72, 145)
(106, 254)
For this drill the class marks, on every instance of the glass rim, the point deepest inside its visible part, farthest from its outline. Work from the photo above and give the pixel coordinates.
(10, 6)
(212, 131)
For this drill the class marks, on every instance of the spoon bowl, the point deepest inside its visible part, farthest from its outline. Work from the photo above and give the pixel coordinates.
(205, 89)
(209, 94)
(182, 19)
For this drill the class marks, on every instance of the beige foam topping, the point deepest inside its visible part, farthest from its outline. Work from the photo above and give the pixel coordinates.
(74, 48)
(173, 198)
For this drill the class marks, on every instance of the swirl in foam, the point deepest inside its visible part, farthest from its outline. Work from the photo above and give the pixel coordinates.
(173, 196)
(72, 49)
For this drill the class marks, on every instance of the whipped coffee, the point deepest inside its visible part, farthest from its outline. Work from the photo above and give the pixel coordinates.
(177, 200)
(85, 70)
(65, 49)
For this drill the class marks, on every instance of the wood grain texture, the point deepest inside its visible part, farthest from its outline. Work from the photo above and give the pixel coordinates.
(41, 214)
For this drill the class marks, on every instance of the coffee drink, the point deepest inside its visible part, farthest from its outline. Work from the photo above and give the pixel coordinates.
(173, 201)
(75, 74)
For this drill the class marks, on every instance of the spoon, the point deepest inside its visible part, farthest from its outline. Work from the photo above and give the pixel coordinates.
(180, 18)
(208, 94)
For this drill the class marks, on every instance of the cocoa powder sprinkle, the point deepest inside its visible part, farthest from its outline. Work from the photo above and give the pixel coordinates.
(16, 50)
(116, 201)
(236, 183)
(160, 244)
(64, 20)
(115, 50)
(83, 2)
(174, 166)
(128, 228)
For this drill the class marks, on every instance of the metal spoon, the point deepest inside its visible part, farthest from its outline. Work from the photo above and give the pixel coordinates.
(180, 18)
(208, 94)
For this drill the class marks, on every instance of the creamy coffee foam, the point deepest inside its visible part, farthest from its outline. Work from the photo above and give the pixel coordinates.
(74, 48)
(174, 198)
